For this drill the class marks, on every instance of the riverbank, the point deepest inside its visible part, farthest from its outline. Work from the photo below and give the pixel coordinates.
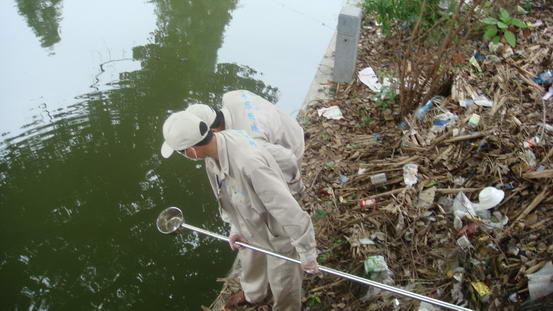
(424, 218)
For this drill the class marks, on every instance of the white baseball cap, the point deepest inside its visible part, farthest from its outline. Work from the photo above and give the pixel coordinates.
(182, 130)
(204, 112)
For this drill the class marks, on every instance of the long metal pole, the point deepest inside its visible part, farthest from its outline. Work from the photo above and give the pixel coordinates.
(336, 272)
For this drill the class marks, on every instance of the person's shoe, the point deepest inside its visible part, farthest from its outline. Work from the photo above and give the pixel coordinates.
(237, 299)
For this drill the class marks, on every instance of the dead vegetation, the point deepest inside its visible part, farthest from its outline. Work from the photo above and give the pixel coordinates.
(492, 128)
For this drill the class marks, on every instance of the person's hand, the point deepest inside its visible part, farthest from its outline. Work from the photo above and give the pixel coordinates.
(309, 262)
(311, 267)
(236, 237)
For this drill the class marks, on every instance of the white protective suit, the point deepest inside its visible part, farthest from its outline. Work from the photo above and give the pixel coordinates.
(264, 122)
(254, 198)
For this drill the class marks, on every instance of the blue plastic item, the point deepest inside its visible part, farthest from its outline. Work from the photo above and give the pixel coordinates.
(422, 110)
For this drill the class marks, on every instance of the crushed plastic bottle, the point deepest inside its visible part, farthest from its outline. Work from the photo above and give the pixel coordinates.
(422, 110)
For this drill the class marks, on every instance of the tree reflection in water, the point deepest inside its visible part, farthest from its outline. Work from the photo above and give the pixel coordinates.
(43, 17)
(80, 190)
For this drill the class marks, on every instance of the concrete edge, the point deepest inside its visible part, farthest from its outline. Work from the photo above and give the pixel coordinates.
(321, 86)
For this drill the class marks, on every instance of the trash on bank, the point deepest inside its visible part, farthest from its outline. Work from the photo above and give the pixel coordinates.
(482, 101)
(532, 142)
(481, 288)
(474, 120)
(549, 94)
(464, 243)
(544, 78)
(425, 306)
(489, 197)
(422, 110)
(367, 203)
(442, 121)
(369, 78)
(475, 63)
(426, 198)
(378, 271)
(378, 179)
(530, 158)
(332, 112)
(410, 174)
(540, 283)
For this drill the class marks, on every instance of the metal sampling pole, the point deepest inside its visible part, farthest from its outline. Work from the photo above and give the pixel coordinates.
(169, 227)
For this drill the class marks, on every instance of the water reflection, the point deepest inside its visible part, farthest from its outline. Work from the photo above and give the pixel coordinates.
(43, 17)
(81, 186)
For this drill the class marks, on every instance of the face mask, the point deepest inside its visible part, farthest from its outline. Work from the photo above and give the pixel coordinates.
(195, 158)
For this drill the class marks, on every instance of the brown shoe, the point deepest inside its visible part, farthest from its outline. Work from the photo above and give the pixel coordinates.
(236, 300)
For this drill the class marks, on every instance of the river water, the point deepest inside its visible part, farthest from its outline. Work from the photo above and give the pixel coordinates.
(85, 87)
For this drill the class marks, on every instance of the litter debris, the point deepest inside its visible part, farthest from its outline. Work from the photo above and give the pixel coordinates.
(493, 129)
(377, 270)
(541, 283)
(474, 120)
(367, 203)
(489, 197)
(530, 158)
(410, 174)
(369, 78)
(483, 101)
(475, 63)
(532, 142)
(442, 121)
(378, 179)
(425, 306)
(549, 94)
(343, 179)
(366, 241)
(481, 288)
(332, 112)
(422, 110)
(426, 198)
(544, 78)
(464, 243)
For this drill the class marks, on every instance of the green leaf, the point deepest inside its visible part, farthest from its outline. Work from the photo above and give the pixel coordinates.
(496, 39)
(503, 14)
(489, 21)
(510, 37)
(491, 31)
(502, 25)
(506, 20)
(517, 22)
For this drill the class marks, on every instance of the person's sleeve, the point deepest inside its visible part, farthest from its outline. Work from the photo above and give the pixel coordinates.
(286, 160)
(280, 203)
(226, 218)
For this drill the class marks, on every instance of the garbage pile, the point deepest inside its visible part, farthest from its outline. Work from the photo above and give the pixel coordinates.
(454, 202)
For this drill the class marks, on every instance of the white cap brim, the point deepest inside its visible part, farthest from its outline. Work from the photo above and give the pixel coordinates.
(166, 151)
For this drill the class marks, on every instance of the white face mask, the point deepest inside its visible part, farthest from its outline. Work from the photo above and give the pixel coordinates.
(195, 158)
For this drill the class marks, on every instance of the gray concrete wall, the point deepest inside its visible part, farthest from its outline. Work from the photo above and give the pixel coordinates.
(347, 40)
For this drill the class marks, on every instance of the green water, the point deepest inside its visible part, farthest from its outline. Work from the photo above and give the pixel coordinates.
(85, 88)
